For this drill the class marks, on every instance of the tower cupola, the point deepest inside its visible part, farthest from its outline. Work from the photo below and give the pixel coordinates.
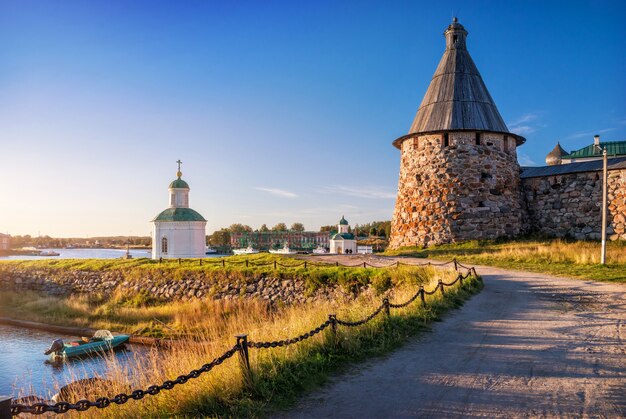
(455, 35)
(179, 191)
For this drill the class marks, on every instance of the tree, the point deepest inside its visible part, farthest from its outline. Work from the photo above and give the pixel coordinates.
(264, 228)
(327, 228)
(280, 227)
(239, 228)
(297, 227)
(372, 231)
(220, 238)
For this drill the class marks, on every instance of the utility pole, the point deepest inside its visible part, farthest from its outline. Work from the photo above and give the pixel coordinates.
(604, 205)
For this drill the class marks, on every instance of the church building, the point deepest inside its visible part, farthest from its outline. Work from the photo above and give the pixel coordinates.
(343, 241)
(178, 231)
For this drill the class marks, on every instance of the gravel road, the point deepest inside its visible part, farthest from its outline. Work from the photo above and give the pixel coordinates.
(529, 345)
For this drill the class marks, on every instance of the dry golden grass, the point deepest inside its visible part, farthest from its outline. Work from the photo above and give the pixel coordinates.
(280, 374)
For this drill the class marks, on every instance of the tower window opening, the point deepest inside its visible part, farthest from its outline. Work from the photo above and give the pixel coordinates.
(505, 143)
(164, 245)
(455, 38)
(478, 138)
(446, 140)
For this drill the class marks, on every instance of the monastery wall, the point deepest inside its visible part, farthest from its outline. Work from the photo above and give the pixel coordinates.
(570, 205)
(457, 187)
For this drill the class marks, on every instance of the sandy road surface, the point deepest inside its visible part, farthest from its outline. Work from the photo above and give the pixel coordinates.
(529, 345)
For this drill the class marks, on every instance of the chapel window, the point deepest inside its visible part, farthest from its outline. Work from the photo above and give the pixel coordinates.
(164, 245)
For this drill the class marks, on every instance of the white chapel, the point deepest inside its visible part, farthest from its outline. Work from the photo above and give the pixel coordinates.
(178, 231)
(343, 241)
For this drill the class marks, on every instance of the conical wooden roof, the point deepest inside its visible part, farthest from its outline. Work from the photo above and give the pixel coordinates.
(457, 98)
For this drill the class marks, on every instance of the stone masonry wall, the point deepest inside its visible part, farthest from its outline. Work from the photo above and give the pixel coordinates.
(159, 285)
(458, 192)
(569, 205)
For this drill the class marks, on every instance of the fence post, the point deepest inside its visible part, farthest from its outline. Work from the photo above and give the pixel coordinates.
(397, 264)
(337, 264)
(179, 261)
(474, 271)
(333, 323)
(365, 264)
(244, 360)
(274, 264)
(5, 407)
(223, 263)
(305, 264)
(246, 263)
(422, 297)
(386, 304)
(456, 265)
(200, 261)
(461, 279)
(160, 260)
(440, 285)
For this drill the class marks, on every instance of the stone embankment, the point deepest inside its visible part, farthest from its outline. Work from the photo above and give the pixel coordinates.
(162, 286)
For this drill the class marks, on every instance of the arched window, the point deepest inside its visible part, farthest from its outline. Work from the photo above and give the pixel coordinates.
(164, 245)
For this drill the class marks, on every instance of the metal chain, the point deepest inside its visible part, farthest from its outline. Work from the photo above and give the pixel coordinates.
(287, 342)
(363, 321)
(406, 303)
(102, 402)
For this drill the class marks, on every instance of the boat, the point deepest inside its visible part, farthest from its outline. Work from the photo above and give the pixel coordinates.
(285, 250)
(102, 340)
(210, 251)
(49, 253)
(245, 251)
(320, 250)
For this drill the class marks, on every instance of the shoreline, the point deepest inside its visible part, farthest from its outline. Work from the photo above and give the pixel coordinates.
(76, 331)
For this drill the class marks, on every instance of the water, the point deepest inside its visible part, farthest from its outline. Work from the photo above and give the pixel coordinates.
(24, 369)
(89, 254)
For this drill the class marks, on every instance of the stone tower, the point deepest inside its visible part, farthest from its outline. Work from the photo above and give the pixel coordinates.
(459, 176)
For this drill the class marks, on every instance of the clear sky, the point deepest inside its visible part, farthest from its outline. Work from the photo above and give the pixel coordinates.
(279, 110)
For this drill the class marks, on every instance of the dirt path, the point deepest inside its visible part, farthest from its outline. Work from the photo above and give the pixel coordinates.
(527, 345)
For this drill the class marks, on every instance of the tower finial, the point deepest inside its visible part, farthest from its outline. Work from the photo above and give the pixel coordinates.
(179, 173)
(455, 19)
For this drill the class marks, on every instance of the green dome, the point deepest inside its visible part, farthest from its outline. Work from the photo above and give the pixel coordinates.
(179, 214)
(343, 221)
(179, 184)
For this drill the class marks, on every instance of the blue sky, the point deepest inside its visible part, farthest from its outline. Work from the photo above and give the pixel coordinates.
(280, 111)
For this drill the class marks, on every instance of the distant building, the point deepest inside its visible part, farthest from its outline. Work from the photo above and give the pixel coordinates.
(264, 240)
(343, 241)
(179, 231)
(5, 242)
(589, 153)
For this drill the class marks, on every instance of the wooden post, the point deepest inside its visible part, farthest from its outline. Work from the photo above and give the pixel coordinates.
(244, 359)
(333, 324)
(397, 264)
(179, 261)
(223, 263)
(305, 264)
(5, 407)
(364, 264)
(461, 279)
(422, 296)
(386, 304)
(337, 264)
(456, 265)
(440, 285)
(200, 262)
(474, 271)
(246, 263)
(160, 260)
(274, 263)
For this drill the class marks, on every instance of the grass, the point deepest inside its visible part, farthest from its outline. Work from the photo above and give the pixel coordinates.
(576, 259)
(280, 375)
(235, 269)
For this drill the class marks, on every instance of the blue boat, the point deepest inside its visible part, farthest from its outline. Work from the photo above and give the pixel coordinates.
(102, 341)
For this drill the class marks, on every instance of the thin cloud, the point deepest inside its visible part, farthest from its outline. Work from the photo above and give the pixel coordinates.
(524, 125)
(370, 192)
(590, 133)
(278, 192)
(525, 160)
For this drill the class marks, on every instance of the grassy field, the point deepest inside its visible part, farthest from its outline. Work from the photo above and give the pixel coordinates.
(279, 374)
(577, 259)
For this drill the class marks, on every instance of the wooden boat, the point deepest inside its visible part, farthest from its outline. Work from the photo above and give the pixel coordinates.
(49, 253)
(102, 340)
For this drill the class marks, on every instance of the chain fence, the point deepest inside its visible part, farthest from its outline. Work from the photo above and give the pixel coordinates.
(240, 347)
(307, 263)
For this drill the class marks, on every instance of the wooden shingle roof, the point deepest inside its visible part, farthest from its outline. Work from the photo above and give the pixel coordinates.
(457, 98)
